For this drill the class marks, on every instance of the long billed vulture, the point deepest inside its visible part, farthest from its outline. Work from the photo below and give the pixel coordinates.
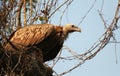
(47, 38)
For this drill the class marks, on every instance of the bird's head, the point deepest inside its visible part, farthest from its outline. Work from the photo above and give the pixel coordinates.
(68, 28)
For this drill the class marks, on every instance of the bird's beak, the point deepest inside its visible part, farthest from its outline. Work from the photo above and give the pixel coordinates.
(77, 29)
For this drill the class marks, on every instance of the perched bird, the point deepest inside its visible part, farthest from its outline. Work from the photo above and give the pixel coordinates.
(47, 38)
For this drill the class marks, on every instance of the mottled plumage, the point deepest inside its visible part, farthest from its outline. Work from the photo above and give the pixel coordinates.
(47, 38)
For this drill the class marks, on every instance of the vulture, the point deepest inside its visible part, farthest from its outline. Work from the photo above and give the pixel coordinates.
(48, 38)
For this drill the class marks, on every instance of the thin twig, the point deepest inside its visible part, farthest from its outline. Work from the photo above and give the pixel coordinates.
(58, 8)
(103, 20)
(17, 63)
(87, 13)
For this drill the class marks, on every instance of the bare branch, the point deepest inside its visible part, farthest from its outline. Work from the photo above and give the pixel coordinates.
(19, 14)
(87, 13)
(25, 20)
(30, 13)
(58, 8)
(17, 63)
(102, 18)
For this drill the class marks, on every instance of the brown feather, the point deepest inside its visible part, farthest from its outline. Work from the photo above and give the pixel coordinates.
(30, 35)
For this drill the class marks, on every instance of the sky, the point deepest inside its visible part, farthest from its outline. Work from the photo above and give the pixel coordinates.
(104, 63)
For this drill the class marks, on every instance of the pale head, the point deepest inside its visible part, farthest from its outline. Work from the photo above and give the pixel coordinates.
(68, 28)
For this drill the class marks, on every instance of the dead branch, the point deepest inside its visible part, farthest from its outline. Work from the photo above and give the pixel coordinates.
(58, 8)
(103, 20)
(87, 13)
(19, 14)
(25, 20)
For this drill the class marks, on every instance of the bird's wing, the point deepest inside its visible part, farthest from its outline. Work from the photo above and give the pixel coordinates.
(32, 34)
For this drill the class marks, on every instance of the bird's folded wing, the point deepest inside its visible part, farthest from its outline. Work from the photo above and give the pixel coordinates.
(31, 35)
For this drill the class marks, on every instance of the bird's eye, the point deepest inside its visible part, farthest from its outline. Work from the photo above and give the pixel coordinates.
(73, 26)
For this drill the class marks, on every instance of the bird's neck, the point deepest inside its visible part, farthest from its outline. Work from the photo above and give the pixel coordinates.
(65, 33)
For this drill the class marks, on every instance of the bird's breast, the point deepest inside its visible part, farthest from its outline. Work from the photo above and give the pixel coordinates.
(51, 42)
